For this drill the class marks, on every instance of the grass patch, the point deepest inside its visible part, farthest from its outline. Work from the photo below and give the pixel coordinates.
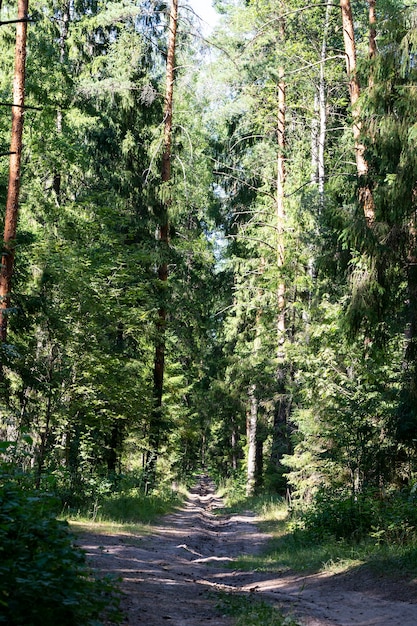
(124, 513)
(250, 611)
(107, 528)
(287, 552)
(269, 508)
(296, 550)
(136, 507)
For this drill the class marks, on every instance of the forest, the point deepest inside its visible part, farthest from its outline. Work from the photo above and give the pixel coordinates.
(209, 257)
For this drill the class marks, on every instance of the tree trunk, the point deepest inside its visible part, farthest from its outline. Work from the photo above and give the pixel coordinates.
(322, 106)
(315, 131)
(234, 441)
(45, 433)
(251, 429)
(372, 28)
(281, 217)
(281, 175)
(155, 430)
(365, 195)
(259, 463)
(254, 470)
(12, 202)
(64, 30)
(112, 455)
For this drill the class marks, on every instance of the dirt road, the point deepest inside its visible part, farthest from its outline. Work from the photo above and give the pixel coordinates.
(167, 576)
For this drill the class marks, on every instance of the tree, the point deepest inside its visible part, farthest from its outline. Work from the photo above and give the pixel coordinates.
(12, 204)
(365, 193)
(155, 426)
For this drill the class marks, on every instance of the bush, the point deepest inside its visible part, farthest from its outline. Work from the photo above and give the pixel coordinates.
(341, 516)
(388, 519)
(44, 579)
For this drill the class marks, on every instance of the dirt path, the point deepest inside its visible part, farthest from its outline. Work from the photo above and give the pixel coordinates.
(168, 575)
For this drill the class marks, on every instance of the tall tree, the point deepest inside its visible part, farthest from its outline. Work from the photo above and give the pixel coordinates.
(12, 203)
(322, 106)
(365, 194)
(156, 425)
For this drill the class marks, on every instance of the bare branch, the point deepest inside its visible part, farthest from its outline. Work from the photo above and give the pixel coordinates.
(25, 106)
(265, 243)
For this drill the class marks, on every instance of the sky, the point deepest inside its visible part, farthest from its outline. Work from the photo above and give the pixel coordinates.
(204, 9)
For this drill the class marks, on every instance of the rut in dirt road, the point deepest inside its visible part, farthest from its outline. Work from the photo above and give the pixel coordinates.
(168, 577)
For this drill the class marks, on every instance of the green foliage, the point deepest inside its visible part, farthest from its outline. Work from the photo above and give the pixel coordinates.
(79, 367)
(133, 506)
(381, 539)
(233, 490)
(384, 518)
(268, 507)
(249, 611)
(336, 391)
(340, 515)
(43, 577)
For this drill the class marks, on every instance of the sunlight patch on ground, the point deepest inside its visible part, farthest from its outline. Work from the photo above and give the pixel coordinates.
(341, 565)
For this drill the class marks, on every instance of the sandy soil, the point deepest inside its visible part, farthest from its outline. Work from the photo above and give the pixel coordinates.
(167, 576)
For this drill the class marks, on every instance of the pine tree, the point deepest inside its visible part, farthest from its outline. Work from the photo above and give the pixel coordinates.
(12, 204)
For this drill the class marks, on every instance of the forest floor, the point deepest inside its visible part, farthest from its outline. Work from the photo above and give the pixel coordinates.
(173, 574)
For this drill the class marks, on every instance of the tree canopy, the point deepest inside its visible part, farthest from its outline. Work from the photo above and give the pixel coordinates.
(215, 256)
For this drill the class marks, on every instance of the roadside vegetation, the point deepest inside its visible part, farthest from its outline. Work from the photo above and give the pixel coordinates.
(249, 611)
(334, 533)
(44, 577)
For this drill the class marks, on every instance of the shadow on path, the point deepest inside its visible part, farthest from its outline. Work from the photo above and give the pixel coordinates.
(167, 576)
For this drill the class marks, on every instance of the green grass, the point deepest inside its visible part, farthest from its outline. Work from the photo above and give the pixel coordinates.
(250, 611)
(124, 513)
(270, 508)
(286, 552)
(85, 525)
(136, 507)
(296, 551)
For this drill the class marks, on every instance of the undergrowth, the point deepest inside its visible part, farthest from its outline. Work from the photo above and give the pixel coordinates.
(44, 579)
(250, 611)
(334, 534)
(131, 507)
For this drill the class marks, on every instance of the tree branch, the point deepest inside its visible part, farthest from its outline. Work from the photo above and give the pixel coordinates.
(25, 106)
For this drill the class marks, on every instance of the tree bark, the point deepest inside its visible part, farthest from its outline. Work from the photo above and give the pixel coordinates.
(64, 31)
(155, 429)
(281, 175)
(315, 131)
(12, 202)
(365, 195)
(234, 442)
(251, 429)
(253, 468)
(322, 106)
(281, 409)
(372, 28)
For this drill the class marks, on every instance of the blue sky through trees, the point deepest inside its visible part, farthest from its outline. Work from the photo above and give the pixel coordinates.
(204, 9)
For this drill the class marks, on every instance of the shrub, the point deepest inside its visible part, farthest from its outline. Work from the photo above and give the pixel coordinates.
(340, 515)
(388, 519)
(44, 579)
